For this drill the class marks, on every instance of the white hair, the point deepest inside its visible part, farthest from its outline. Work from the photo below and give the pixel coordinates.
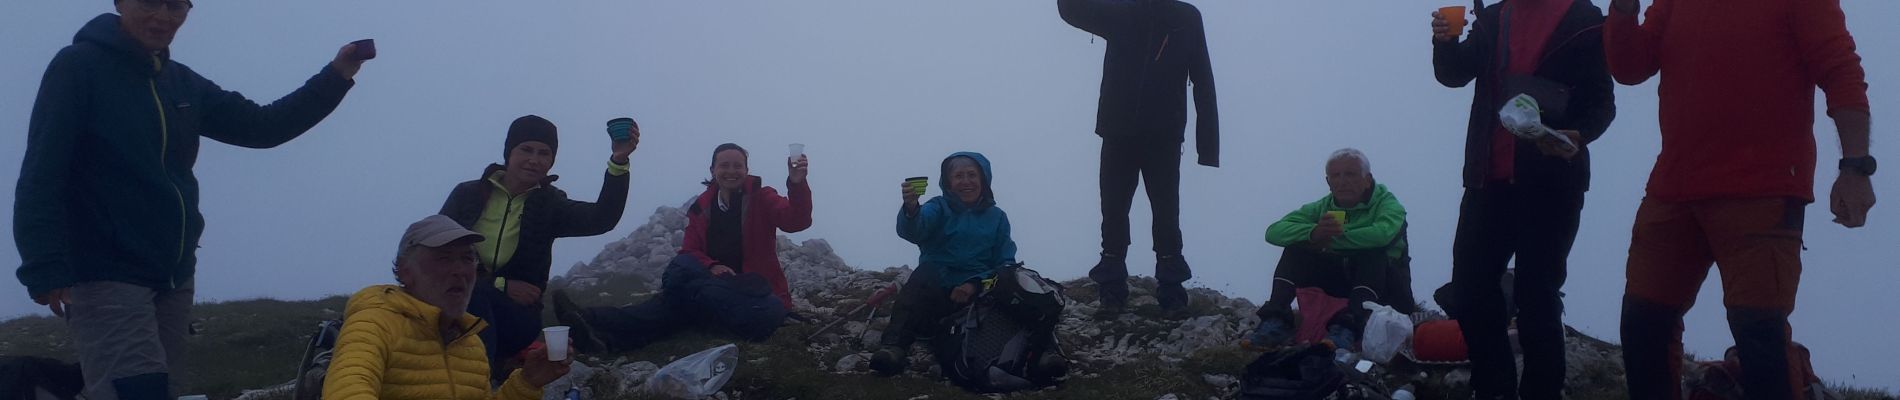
(1364, 163)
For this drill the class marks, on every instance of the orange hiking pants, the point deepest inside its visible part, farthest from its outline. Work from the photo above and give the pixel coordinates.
(1757, 245)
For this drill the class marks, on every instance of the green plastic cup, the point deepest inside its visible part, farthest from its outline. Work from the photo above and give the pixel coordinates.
(918, 184)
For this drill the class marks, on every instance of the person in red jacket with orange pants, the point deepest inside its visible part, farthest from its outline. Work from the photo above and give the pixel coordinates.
(1736, 172)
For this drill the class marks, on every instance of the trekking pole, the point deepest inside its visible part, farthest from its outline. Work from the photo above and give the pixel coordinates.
(876, 298)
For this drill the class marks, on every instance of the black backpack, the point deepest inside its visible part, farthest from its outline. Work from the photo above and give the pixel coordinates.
(1300, 373)
(1023, 294)
(1005, 340)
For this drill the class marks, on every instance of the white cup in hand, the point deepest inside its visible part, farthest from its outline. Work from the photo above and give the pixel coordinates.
(556, 338)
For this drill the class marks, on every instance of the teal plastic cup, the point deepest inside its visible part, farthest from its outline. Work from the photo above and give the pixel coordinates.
(620, 128)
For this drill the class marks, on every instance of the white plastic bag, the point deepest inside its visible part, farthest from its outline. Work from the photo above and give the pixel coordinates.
(696, 376)
(1522, 117)
(1386, 331)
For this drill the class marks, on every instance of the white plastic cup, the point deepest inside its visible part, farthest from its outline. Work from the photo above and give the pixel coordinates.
(796, 150)
(556, 338)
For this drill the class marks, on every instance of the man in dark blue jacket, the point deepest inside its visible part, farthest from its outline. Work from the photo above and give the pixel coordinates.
(106, 211)
(1155, 47)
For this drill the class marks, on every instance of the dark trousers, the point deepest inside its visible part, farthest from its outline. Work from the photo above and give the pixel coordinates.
(1537, 226)
(1358, 276)
(635, 326)
(1127, 162)
(919, 308)
(1757, 245)
(511, 326)
(672, 310)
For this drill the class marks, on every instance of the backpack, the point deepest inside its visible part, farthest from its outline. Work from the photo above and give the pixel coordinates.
(1721, 380)
(29, 378)
(315, 364)
(1302, 372)
(1004, 341)
(1023, 294)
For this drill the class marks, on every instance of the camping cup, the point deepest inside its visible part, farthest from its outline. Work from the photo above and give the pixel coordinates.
(556, 336)
(620, 129)
(1338, 216)
(918, 184)
(1454, 20)
(365, 49)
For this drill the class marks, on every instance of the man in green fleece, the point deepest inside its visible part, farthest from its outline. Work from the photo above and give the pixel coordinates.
(1361, 257)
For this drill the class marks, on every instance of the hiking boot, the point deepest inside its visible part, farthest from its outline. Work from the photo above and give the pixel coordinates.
(1111, 282)
(1051, 366)
(1342, 338)
(1271, 335)
(1170, 271)
(580, 333)
(890, 360)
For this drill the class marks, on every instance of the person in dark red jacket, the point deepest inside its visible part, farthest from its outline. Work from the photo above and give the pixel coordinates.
(731, 232)
(1523, 198)
(1736, 172)
(733, 227)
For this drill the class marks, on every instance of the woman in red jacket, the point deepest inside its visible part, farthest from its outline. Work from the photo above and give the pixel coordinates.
(733, 227)
(731, 232)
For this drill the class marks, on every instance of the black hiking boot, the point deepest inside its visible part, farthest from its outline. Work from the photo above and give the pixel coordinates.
(579, 331)
(891, 360)
(1111, 285)
(1170, 272)
(1051, 366)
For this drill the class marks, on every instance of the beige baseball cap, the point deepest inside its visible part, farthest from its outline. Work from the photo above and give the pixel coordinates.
(434, 231)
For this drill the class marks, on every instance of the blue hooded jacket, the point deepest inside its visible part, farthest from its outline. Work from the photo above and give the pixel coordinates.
(106, 189)
(969, 241)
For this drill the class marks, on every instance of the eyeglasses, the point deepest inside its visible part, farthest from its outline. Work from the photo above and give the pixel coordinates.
(179, 7)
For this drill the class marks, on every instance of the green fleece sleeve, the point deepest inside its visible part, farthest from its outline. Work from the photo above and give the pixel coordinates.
(1382, 227)
(1296, 227)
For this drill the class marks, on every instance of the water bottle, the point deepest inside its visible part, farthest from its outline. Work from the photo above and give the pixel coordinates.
(1404, 393)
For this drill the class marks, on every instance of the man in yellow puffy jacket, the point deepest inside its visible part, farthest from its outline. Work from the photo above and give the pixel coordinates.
(416, 340)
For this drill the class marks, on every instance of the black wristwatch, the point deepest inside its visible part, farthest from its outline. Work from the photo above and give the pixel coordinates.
(1863, 165)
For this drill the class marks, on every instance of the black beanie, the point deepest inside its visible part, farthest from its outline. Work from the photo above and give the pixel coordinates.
(531, 129)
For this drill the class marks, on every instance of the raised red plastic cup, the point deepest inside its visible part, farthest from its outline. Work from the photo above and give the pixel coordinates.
(365, 49)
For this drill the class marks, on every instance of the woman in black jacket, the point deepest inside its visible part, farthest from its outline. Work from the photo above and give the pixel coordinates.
(518, 208)
(1523, 198)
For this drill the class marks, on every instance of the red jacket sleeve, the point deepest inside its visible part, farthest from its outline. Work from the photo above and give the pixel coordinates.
(695, 242)
(792, 214)
(1820, 29)
(1631, 50)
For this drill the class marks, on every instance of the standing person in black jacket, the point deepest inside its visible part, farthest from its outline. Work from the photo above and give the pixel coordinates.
(1155, 47)
(105, 214)
(1523, 198)
(518, 208)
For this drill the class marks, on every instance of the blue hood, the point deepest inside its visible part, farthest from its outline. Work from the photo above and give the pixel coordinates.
(104, 31)
(943, 182)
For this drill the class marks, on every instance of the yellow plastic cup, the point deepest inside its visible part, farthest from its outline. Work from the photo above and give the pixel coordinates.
(1338, 216)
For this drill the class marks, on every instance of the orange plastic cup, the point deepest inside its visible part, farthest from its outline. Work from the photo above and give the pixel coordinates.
(1455, 18)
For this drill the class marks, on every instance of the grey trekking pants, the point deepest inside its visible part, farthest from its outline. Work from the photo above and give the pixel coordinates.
(129, 338)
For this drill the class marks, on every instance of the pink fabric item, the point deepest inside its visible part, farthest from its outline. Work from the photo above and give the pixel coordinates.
(1316, 307)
